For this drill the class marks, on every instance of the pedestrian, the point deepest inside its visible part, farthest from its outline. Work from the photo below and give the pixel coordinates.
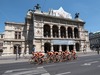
(19, 52)
(84, 49)
(33, 49)
(97, 51)
(97, 48)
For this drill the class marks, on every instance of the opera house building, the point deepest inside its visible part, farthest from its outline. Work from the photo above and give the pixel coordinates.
(54, 30)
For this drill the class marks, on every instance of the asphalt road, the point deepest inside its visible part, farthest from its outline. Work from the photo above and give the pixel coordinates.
(88, 65)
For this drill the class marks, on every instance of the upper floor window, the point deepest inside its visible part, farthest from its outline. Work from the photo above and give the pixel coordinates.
(17, 35)
(1, 36)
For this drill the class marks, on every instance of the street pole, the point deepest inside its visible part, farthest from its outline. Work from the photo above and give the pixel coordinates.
(16, 52)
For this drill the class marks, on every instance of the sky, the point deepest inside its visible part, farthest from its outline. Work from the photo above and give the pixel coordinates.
(15, 11)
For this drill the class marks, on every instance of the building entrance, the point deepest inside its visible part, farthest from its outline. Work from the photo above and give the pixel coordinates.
(77, 47)
(56, 48)
(71, 47)
(47, 47)
(17, 49)
(64, 47)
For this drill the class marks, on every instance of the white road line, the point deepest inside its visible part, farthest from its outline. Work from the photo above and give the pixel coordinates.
(93, 62)
(40, 67)
(9, 71)
(28, 71)
(86, 64)
(63, 73)
(45, 74)
(89, 63)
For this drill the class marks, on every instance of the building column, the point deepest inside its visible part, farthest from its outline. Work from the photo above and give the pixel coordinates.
(22, 48)
(27, 49)
(81, 46)
(11, 48)
(42, 31)
(60, 48)
(51, 31)
(66, 34)
(59, 32)
(42, 46)
(52, 47)
(74, 47)
(68, 47)
(80, 32)
(73, 32)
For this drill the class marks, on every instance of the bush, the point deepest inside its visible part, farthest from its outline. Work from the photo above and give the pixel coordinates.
(1, 50)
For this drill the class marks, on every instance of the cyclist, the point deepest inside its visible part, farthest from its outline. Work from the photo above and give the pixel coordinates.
(68, 55)
(73, 53)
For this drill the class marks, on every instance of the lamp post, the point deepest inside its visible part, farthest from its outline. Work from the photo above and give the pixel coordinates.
(17, 51)
(29, 40)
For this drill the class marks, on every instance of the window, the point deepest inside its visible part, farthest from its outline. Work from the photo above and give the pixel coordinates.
(17, 35)
(1, 36)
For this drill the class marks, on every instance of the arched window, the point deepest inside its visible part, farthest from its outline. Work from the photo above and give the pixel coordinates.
(77, 47)
(70, 34)
(47, 30)
(76, 33)
(47, 47)
(63, 32)
(55, 31)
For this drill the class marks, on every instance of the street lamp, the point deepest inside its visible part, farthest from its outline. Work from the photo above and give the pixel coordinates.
(17, 51)
(30, 28)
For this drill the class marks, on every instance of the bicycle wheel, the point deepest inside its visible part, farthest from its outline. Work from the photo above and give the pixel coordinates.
(31, 61)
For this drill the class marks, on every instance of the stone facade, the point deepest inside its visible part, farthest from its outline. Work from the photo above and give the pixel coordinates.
(94, 40)
(47, 32)
(1, 40)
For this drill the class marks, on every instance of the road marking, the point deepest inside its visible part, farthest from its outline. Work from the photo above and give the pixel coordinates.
(45, 74)
(9, 71)
(86, 64)
(93, 62)
(40, 67)
(28, 71)
(63, 73)
(89, 63)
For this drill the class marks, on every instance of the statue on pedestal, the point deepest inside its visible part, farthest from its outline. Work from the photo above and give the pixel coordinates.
(37, 7)
(76, 15)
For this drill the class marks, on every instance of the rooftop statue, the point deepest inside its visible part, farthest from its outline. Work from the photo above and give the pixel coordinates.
(77, 15)
(37, 7)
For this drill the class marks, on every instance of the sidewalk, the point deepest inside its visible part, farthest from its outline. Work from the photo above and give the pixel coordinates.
(80, 54)
(12, 59)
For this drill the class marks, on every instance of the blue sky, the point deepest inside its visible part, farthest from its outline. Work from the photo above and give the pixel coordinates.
(15, 10)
